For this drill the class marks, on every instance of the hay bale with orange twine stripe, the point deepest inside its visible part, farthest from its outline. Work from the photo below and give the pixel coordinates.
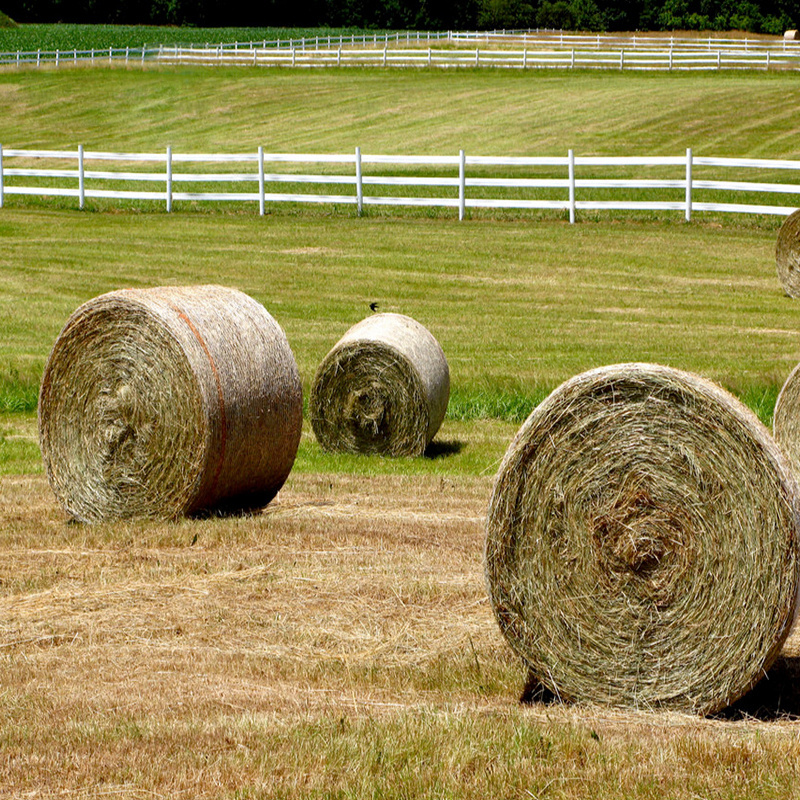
(168, 401)
(382, 389)
(787, 254)
(643, 543)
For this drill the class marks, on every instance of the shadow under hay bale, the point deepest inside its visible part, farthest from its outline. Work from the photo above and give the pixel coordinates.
(642, 542)
(167, 401)
(382, 389)
(787, 254)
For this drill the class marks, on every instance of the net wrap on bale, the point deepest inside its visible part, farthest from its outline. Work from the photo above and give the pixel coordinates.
(383, 388)
(642, 544)
(168, 401)
(787, 254)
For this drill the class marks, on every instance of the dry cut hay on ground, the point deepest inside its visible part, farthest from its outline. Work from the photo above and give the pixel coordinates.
(642, 542)
(787, 254)
(383, 388)
(166, 401)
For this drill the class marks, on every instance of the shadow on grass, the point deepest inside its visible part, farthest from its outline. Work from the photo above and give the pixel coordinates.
(775, 697)
(443, 449)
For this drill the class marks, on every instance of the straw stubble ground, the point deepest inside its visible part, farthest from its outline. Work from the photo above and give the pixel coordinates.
(339, 644)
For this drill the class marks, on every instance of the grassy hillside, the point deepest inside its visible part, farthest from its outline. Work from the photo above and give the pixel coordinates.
(486, 112)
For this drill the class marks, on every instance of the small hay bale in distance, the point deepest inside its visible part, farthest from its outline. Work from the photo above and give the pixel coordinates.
(787, 254)
(382, 389)
(168, 401)
(642, 542)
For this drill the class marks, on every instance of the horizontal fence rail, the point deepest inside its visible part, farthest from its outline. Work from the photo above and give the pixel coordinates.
(570, 183)
(510, 49)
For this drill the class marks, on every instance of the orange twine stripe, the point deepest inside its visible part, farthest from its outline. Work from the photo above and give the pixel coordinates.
(220, 396)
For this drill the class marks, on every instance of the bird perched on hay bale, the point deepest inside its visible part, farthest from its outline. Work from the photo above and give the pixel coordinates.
(167, 401)
(383, 389)
(642, 542)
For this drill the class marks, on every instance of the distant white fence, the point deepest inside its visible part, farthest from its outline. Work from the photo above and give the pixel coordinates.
(508, 49)
(643, 59)
(459, 182)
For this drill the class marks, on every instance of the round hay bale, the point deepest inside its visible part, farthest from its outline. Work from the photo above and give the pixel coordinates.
(167, 401)
(383, 388)
(787, 254)
(642, 542)
(786, 419)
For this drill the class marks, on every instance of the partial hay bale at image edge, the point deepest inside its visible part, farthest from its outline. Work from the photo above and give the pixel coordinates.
(787, 254)
(643, 543)
(786, 419)
(168, 401)
(383, 388)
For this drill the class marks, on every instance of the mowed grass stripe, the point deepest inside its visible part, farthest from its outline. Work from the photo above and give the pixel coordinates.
(484, 111)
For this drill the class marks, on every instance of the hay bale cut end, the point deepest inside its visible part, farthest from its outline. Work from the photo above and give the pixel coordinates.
(168, 401)
(383, 388)
(787, 254)
(642, 542)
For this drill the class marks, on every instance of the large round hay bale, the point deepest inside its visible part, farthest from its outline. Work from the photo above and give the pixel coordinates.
(167, 401)
(786, 419)
(642, 542)
(787, 254)
(383, 388)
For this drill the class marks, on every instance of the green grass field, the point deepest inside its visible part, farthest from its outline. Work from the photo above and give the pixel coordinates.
(341, 644)
(519, 302)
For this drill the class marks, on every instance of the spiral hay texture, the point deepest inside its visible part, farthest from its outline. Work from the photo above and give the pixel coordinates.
(383, 388)
(787, 254)
(167, 401)
(642, 542)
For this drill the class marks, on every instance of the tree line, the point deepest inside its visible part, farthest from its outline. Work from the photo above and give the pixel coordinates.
(758, 16)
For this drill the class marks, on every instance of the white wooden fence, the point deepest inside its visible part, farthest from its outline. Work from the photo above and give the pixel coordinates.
(643, 59)
(569, 183)
(508, 49)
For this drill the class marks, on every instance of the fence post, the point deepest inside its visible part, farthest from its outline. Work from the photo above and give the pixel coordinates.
(169, 179)
(2, 182)
(81, 182)
(58, 54)
(261, 181)
(688, 213)
(572, 187)
(359, 183)
(462, 184)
